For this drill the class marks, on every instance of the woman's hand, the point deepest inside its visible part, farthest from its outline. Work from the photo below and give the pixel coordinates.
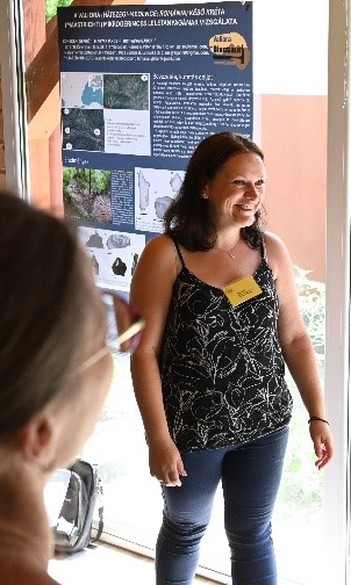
(166, 463)
(323, 442)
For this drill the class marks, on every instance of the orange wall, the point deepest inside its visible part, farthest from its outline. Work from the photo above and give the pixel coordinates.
(294, 140)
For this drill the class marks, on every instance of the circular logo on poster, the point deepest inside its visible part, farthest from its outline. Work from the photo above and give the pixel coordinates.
(230, 48)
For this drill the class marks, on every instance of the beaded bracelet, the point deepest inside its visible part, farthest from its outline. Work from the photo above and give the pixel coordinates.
(312, 418)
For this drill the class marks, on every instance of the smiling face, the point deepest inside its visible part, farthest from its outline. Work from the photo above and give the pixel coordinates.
(237, 190)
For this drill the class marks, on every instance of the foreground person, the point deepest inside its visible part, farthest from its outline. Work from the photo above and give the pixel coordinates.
(55, 371)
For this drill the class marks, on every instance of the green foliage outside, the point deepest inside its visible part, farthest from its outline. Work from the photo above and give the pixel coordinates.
(311, 299)
(51, 7)
(301, 492)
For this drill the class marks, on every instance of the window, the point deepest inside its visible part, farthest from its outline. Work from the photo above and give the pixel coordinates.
(298, 102)
(290, 117)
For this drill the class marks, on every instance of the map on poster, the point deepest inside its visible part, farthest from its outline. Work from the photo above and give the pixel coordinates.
(81, 90)
(96, 113)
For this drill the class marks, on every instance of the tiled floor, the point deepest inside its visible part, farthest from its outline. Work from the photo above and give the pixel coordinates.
(108, 565)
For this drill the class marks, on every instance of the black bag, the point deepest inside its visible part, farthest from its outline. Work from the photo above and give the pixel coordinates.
(79, 520)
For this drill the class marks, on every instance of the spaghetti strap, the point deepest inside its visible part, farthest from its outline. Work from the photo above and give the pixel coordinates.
(179, 252)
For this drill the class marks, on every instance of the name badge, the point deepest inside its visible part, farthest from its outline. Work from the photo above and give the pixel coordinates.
(242, 290)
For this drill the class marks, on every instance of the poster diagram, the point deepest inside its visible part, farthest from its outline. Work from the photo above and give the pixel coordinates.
(154, 191)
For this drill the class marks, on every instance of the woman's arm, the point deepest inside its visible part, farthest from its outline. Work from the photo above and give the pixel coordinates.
(151, 292)
(298, 349)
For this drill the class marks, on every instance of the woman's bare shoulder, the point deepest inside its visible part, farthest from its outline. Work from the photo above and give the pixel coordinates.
(159, 254)
(274, 244)
(272, 239)
(277, 253)
(162, 244)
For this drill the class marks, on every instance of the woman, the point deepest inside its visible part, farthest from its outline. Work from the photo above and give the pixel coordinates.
(221, 313)
(55, 370)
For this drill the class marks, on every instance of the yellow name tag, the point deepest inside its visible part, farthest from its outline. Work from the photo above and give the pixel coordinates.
(242, 290)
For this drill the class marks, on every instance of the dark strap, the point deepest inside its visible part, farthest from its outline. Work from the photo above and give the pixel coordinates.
(179, 252)
(263, 251)
(100, 527)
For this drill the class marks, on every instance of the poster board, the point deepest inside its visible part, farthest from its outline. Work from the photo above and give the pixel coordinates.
(141, 86)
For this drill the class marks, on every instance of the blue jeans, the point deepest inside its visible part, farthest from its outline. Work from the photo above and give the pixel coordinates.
(250, 476)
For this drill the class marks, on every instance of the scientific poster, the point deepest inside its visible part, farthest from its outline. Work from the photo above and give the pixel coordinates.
(141, 86)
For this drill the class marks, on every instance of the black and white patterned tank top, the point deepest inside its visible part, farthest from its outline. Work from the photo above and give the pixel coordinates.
(221, 365)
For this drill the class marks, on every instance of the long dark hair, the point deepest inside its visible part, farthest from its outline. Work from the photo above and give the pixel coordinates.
(46, 301)
(188, 218)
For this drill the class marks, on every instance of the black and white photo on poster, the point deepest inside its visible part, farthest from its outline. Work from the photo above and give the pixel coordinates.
(154, 191)
(114, 255)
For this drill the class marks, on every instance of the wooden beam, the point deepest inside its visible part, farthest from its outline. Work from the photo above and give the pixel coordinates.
(43, 112)
(47, 118)
(38, 149)
(42, 74)
(34, 28)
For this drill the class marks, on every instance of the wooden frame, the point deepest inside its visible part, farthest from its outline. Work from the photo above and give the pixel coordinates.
(42, 86)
